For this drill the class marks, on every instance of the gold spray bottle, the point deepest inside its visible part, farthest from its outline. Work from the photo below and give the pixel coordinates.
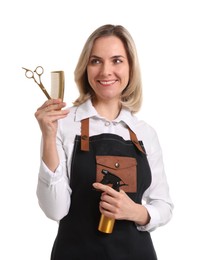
(106, 224)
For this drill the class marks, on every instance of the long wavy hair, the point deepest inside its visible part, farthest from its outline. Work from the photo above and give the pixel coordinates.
(131, 96)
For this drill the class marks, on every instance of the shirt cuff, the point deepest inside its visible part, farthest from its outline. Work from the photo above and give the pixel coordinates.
(154, 219)
(49, 177)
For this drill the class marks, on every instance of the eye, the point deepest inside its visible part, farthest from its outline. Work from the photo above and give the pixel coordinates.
(95, 61)
(117, 61)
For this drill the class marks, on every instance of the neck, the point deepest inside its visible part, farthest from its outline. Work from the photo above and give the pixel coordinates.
(108, 110)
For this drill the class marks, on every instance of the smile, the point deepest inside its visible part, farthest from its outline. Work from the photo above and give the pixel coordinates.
(105, 83)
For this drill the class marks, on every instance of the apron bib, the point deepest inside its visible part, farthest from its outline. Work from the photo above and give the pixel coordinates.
(78, 237)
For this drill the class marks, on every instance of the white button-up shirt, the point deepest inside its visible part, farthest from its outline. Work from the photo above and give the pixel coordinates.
(53, 188)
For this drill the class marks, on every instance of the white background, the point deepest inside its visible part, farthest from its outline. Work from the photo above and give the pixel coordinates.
(52, 34)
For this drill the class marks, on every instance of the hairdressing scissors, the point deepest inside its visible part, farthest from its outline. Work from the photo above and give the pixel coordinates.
(31, 75)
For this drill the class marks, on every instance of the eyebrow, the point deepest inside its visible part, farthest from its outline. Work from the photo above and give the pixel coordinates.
(113, 57)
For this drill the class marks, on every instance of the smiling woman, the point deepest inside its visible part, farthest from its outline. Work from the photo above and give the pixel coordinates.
(121, 49)
(98, 136)
(108, 73)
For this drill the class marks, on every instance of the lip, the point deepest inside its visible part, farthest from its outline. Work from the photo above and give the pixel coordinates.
(106, 82)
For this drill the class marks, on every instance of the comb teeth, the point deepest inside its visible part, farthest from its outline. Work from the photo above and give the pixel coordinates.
(57, 84)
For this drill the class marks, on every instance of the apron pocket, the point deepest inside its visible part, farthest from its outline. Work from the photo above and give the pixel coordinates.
(123, 167)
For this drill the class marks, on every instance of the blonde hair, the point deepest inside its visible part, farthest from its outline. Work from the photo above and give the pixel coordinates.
(131, 97)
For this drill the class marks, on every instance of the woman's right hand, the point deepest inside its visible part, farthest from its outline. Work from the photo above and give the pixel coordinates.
(48, 114)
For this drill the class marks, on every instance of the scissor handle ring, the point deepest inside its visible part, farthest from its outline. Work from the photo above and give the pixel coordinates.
(29, 74)
(38, 68)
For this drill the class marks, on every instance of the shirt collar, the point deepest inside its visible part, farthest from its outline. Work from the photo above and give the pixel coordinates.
(126, 117)
(87, 110)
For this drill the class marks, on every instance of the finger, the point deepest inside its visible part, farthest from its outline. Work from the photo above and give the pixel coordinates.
(52, 119)
(54, 107)
(107, 189)
(107, 198)
(105, 206)
(57, 113)
(50, 102)
(58, 106)
(53, 115)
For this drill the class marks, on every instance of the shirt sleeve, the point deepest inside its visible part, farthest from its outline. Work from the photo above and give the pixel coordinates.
(53, 190)
(156, 198)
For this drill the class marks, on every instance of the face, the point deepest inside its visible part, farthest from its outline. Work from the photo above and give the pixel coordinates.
(108, 68)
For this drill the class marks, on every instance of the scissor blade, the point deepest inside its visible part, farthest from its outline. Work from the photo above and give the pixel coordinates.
(24, 68)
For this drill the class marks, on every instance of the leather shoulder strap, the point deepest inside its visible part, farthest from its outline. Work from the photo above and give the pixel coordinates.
(85, 134)
(135, 141)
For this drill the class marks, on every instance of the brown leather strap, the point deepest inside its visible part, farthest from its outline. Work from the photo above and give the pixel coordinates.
(135, 141)
(85, 134)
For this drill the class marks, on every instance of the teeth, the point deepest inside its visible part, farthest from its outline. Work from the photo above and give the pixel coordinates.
(107, 82)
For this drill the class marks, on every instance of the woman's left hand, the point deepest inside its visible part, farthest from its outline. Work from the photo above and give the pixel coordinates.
(119, 205)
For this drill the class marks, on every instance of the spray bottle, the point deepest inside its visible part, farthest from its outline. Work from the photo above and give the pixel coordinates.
(106, 224)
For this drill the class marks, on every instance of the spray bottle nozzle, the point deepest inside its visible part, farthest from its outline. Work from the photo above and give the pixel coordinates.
(111, 178)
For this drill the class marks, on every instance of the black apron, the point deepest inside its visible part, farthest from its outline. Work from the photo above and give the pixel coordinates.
(78, 237)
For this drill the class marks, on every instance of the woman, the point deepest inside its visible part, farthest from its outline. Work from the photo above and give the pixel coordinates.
(93, 140)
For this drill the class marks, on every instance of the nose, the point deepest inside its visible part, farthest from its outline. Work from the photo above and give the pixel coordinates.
(106, 69)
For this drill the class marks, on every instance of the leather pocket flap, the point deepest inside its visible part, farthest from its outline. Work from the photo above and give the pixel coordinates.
(123, 167)
(116, 162)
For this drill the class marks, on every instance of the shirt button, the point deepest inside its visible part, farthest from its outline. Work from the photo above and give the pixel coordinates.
(107, 123)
